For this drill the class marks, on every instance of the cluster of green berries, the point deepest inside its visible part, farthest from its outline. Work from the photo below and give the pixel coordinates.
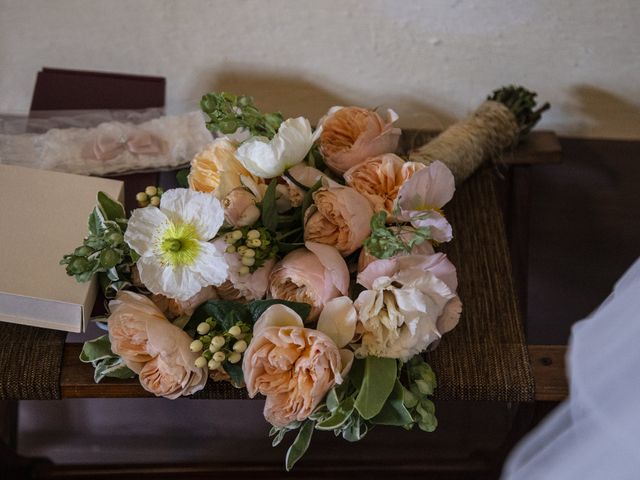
(422, 384)
(254, 246)
(150, 196)
(217, 346)
(98, 253)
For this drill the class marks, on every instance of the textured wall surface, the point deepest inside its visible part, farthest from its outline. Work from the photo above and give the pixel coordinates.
(432, 61)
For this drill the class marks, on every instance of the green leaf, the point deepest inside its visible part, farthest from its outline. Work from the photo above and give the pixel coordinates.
(355, 430)
(96, 349)
(258, 307)
(299, 445)
(356, 374)
(394, 412)
(332, 401)
(111, 209)
(235, 372)
(380, 375)
(307, 200)
(181, 177)
(96, 222)
(269, 213)
(339, 417)
(225, 312)
(112, 367)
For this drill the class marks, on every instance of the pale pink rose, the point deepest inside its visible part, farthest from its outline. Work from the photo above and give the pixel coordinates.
(293, 366)
(379, 179)
(312, 275)
(174, 308)
(153, 347)
(240, 208)
(422, 197)
(350, 135)
(340, 217)
(305, 175)
(247, 287)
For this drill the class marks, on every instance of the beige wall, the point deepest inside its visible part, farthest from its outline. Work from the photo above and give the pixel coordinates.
(430, 60)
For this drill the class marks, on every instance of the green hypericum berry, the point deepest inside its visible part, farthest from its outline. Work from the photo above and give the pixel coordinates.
(109, 258)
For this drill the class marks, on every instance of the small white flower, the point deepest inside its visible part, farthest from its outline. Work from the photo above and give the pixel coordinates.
(176, 258)
(270, 158)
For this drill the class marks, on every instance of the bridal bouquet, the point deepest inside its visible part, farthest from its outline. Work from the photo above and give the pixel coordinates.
(298, 264)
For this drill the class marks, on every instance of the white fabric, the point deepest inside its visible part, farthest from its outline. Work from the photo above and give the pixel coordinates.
(595, 434)
(161, 143)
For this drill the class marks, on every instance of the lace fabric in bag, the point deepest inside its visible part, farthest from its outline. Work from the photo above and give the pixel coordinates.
(112, 147)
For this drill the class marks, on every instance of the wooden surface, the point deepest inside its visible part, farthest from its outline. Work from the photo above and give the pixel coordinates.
(76, 379)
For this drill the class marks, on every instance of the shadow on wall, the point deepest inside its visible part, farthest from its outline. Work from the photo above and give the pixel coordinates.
(294, 96)
(605, 113)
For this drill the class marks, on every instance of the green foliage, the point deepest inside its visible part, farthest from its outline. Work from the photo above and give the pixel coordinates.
(385, 241)
(105, 362)
(104, 250)
(181, 178)
(422, 383)
(228, 112)
(299, 445)
(380, 375)
(522, 104)
(268, 209)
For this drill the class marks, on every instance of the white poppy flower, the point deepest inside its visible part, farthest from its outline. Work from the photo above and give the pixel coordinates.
(270, 158)
(176, 258)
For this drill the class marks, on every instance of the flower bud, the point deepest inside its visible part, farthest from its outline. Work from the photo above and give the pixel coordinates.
(196, 346)
(141, 197)
(240, 346)
(155, 201)
(253, 234)
(203, 328)
(151, 191)
(254, 243)
(213, 365)
(236, 234)
(241, 249)
(249, 253)
(219, 356)
(235, 331)
(243, 270)
(218, 342)
(234, 357)
(230, 249)
(201, 362)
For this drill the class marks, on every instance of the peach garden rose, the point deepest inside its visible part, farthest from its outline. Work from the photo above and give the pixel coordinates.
(293, 366)
(153, 347)
(350, 135)
(340, 216)
(379, 179)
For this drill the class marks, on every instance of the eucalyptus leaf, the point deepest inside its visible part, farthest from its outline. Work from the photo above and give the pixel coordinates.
(380, 376)
(96, 349)
(111, 209)
(112, 367)
(269, 211)
(339, 417)
(394, 412)
(299, 445)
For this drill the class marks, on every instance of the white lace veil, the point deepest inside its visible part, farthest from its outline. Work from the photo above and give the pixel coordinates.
(595, 434)
(104, 142)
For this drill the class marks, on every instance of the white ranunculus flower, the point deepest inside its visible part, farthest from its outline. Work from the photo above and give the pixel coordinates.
(399, 319)
(176, 258)
(270, 158)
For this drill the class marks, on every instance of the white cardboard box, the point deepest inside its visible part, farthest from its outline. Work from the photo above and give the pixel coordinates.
(43, 216)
